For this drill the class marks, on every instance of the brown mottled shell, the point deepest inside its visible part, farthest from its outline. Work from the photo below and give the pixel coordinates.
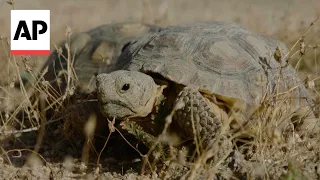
(220, 58)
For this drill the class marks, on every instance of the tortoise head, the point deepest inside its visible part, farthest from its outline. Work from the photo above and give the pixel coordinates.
(126, 94)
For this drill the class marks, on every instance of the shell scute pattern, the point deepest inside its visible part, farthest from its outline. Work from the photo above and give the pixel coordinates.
(221, 58)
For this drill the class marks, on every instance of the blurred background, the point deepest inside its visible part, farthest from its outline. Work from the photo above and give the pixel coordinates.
(285, 20)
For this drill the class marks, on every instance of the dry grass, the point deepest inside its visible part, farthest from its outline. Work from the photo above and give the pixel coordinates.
(261, 150)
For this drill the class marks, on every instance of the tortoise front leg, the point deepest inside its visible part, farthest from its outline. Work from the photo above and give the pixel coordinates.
(198, 117)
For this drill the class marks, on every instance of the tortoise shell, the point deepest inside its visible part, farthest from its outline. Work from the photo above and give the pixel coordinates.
(219, 58)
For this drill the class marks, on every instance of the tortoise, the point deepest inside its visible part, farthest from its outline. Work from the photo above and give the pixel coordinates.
(204, 69)
(91, 52)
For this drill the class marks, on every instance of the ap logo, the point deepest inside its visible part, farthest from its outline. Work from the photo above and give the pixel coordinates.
(30, 32)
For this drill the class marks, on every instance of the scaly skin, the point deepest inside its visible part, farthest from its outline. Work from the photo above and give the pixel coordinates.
(140, 99)
(196, 117)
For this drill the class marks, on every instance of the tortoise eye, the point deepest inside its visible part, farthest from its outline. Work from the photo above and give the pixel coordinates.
(125, 87)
